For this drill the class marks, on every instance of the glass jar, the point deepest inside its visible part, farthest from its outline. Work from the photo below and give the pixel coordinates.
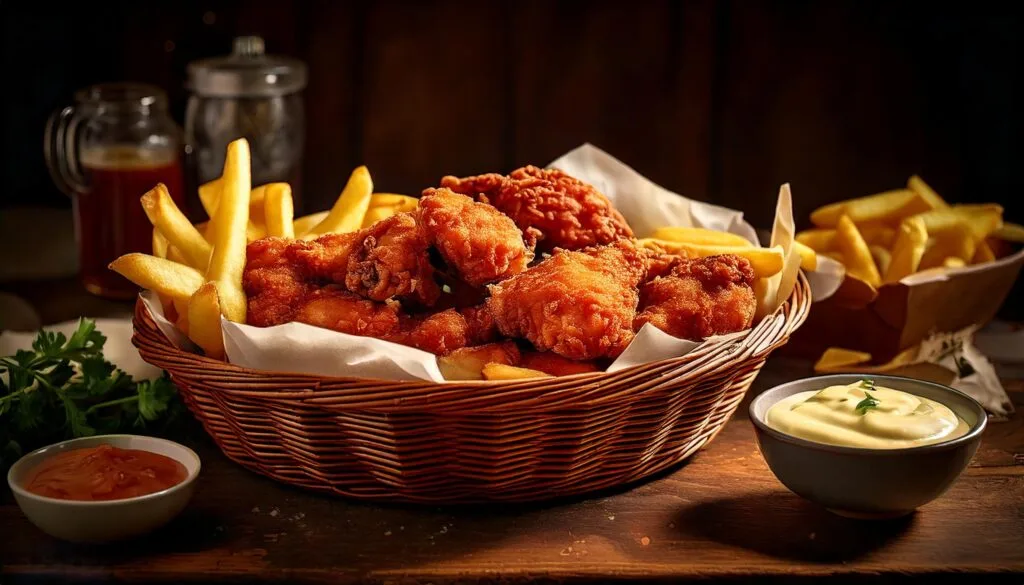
(250, 95)
(115, 144)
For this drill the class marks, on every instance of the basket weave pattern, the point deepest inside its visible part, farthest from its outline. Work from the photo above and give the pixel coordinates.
(418, 441)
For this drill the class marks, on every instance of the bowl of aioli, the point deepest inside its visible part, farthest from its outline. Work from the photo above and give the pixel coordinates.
(104, 488)
(867, 446)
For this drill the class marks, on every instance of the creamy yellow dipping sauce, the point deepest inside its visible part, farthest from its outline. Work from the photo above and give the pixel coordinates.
(890, 419)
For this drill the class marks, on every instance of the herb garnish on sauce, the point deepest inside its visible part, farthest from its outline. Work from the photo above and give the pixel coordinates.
(869, 401)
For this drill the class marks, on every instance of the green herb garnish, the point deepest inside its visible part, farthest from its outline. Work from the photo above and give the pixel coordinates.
(869, 401)
(64, 388)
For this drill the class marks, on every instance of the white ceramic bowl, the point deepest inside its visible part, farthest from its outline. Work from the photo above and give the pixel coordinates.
(104, 521)
(868, 483)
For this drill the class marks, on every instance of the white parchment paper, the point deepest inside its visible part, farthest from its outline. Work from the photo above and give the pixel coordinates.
(300, 348)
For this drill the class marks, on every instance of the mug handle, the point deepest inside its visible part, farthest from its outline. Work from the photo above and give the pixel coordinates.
(61, 152)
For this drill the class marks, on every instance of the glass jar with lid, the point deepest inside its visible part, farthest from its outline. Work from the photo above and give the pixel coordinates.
(247, 94)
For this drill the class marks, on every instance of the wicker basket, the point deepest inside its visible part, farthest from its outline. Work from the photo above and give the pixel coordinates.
(471, 441)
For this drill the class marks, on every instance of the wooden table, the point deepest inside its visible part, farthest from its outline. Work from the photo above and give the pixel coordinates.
(721, 517)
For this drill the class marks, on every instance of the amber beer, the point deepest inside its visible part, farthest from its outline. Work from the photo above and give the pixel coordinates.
(109, 220)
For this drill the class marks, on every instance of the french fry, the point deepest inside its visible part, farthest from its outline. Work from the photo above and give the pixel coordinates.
(887, 207)
(982, 219)
(307, 222)
(765, 261)
(375, 214)
(908, 249)
(837, 358)
(695, 235)
(496, 371)
(159, 244)
(882, 258)
(957, 242)
(1011, 232)
(209, 196)
(856, 253)
(254, 232)
(257, 202)
(204, 311)
(181, 315)
(818, 239)
(350, 208)
(279, 210)
(878, 234)
(983, 253)
(808, 258)
(229, 232)
(917, 185)
(164, 214)
(204, 228)
(175, 255)
(402, 202)
(953, 262)
(176, 281)
(468, 363)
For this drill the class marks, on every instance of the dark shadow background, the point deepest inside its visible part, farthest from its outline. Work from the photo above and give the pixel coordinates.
(719, 100)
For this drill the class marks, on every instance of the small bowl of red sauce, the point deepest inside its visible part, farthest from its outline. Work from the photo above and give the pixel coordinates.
(104, 488)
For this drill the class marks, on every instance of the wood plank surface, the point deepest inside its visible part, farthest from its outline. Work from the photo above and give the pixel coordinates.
(722, 516)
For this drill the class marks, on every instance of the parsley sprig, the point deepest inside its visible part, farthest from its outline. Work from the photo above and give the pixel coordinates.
(64, 388)
(869, 401)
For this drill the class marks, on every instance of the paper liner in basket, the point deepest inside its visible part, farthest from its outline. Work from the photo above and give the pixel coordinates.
(300, 348)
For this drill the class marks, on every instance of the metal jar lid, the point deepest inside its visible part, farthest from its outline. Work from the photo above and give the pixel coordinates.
(246, 72)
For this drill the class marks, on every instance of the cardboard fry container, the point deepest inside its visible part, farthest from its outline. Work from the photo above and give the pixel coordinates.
(908, 312)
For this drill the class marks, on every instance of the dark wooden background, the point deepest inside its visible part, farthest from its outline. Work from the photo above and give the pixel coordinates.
(719, 100)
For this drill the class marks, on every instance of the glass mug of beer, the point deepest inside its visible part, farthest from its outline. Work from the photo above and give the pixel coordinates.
(105, 152)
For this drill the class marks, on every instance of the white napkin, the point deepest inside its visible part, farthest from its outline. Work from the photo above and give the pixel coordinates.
(974, 373)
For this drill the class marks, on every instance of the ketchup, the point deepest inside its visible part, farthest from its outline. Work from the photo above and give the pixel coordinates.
(104, 473)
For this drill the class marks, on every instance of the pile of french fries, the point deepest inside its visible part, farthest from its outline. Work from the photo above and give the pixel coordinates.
(197, 269)
(885, 237)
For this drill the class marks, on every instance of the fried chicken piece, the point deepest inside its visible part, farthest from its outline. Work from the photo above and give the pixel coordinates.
(346, 312)
(388, 259)
(554, 364)
(468, 363)
(442, 332)
(480, 323)
(700, 297)
(562, 210)
(578, 304)
(439, 333)
(482, 244)
(660, 262)
(273, 285)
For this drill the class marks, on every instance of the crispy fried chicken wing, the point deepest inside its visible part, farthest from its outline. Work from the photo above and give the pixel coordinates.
(273, 284)
(340, 310)
(439, 333)
(388, 259)
(482, 244)
(700, 297)
(564, 211)
(578, 304)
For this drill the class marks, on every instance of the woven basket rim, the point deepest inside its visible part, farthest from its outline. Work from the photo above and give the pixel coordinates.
(799, 300)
